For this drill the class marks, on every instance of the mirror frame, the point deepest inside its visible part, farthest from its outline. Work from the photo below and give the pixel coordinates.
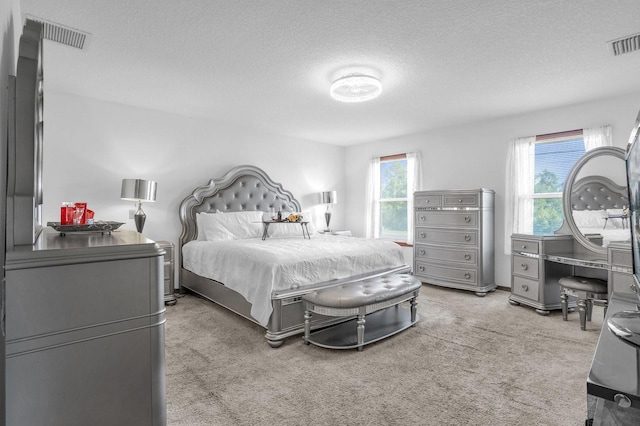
(568, 189)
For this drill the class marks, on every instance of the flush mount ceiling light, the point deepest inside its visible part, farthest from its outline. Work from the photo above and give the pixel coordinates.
(355, 88)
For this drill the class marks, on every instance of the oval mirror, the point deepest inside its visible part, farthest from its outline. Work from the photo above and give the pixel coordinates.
(596, 192)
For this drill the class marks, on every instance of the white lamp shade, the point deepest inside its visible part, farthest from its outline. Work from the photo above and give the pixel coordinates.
(138, 190)
(328, 197)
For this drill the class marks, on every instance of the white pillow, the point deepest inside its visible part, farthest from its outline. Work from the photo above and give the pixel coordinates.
(231, 226)
(589, 218)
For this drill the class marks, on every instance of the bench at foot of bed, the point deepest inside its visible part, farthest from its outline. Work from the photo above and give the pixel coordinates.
(375, 302)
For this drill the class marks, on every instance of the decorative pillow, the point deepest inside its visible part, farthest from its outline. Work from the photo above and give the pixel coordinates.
(589, 218)
(232, 225)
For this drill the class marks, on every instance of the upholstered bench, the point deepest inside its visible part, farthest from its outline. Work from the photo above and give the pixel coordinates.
(378, 298)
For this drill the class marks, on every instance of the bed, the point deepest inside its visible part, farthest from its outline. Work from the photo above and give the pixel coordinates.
(597, 204)
(224, 258)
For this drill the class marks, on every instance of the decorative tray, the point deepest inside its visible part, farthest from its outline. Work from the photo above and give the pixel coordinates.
(99, 226)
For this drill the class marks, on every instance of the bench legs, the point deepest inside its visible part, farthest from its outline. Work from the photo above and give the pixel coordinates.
(414, 310)
(307, 326)
(360, 329)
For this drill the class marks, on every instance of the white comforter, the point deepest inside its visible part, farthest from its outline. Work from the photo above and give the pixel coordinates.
(254, 268)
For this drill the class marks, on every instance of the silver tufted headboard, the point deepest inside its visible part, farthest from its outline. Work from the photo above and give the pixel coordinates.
(598, 193)
(242, 188)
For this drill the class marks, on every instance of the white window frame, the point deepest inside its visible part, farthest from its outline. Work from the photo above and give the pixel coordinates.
(414, 183)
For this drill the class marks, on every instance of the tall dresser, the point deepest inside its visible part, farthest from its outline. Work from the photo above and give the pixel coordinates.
(454, 239)
(85, 331)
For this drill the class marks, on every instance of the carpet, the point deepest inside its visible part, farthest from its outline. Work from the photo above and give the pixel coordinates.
(469, 361)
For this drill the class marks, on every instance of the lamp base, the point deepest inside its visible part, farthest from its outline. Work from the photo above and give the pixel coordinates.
(139, 218)
(327, 218)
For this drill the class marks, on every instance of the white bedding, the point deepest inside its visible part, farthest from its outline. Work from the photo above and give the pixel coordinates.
(254, 268)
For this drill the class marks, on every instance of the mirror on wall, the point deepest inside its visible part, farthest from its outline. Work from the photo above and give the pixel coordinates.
(595, 197)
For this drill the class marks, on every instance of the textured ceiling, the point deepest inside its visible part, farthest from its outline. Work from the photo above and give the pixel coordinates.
(269, 63)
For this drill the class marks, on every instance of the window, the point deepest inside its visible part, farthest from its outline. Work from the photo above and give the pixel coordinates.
(536, 172)
(393, 198)
(391, 184)
(554, 158)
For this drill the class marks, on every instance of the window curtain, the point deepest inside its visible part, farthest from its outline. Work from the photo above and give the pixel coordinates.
(373, 200)
(414, 183)
(595, 137)
(519, 188)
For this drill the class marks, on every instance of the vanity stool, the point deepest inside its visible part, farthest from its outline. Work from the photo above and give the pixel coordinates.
(586, 290)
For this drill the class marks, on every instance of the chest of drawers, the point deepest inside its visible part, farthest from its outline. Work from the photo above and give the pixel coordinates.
(454, 242)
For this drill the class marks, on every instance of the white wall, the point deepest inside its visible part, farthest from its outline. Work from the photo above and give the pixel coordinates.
(474, 156)
(91, 145)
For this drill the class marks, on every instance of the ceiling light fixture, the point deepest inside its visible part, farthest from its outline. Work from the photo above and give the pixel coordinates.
(355, 88)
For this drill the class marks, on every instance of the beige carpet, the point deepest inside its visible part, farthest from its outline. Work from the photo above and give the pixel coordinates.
(469, 361)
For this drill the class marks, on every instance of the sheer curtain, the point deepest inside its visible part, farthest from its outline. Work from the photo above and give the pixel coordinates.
(373, 200)
(519, 189)
(595, 137)
(414, 183)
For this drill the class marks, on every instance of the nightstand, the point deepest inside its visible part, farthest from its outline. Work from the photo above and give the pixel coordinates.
(169, 265)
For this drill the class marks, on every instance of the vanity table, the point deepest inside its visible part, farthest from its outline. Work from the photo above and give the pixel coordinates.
(539, 261)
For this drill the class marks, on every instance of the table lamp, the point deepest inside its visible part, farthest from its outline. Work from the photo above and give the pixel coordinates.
(328, 198)
(139, 190)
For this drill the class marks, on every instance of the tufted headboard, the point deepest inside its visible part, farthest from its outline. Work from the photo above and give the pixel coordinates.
(242, 188)
(598, 193)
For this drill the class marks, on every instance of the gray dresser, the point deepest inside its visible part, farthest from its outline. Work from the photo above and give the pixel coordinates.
(85, 331)
(454, 239)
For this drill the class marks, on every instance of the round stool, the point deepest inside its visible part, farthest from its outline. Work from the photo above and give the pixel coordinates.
(586, 290)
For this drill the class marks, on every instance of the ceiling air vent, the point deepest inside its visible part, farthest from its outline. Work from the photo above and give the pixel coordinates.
(625, 45)
(63, 34)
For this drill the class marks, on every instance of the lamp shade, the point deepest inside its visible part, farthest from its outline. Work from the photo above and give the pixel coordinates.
(138, 190)
(328, 197)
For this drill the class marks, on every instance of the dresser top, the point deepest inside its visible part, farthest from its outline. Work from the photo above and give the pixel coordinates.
(52, 248)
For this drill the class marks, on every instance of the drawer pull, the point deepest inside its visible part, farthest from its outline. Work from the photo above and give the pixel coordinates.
(422, 252)
(622, 400)
(525, 287)
(467, 237)
(524, 246)
(423, 235)
(421, 268)
(422, 218)
(467, 256)
(428, 201)
(467, 275)
(524, 266)
(467, 219)
(459, 200)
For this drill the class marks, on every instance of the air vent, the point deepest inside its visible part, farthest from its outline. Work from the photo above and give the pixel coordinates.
(625, 45)
(62, 34)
